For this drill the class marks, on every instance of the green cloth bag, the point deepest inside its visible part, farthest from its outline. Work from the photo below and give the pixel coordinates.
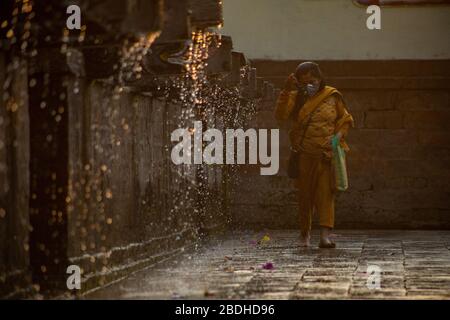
(340, 165)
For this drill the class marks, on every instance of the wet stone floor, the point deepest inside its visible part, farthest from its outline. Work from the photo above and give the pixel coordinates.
(271, 265)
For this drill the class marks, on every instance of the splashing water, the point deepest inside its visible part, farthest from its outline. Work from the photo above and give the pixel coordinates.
(131, 57)
(210, 100)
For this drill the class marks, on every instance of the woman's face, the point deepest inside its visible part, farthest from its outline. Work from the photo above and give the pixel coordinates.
(308, 78)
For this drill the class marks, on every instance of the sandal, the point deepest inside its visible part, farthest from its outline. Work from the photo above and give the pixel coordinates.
(330, 245)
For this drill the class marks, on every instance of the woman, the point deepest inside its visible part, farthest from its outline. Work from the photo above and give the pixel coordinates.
(319, 116)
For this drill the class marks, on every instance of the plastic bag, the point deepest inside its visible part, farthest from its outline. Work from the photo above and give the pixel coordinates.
(340, 165)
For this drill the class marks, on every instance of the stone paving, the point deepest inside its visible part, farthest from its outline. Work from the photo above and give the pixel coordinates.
(413, 264)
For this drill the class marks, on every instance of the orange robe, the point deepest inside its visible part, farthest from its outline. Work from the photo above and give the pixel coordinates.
(316, 184)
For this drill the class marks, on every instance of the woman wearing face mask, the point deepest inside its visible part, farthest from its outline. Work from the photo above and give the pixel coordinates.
(319, 117)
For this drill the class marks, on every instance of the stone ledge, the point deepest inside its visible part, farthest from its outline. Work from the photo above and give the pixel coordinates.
(131, 258)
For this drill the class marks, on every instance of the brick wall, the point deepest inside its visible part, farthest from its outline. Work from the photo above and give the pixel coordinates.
(398, 163)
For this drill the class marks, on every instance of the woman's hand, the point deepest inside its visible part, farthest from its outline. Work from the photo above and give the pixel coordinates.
(335, 140)
(291, 83)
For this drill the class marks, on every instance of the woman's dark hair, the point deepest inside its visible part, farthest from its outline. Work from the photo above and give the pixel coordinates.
(308, 67)
(302, 69)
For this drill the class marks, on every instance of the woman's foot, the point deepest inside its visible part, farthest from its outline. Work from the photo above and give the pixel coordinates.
(330, 245)
(305, 240)
(325, 241)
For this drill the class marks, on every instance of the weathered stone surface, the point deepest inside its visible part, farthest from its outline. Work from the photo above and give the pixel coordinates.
(14, 179)
(130, 206)
(230, 266)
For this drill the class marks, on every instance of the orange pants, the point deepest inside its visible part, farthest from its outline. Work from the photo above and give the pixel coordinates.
(316, 191)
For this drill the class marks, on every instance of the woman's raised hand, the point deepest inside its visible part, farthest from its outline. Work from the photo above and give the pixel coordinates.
(291, 83)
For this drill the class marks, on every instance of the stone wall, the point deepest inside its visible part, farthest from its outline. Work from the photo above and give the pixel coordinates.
(398, 162)
(104, 194)
(141, 208)
(128, 205)
(14, 179)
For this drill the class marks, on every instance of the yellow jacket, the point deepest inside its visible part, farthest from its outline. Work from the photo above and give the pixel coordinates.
(329, 116)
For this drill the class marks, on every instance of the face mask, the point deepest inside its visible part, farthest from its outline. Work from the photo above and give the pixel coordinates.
(312, 89)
